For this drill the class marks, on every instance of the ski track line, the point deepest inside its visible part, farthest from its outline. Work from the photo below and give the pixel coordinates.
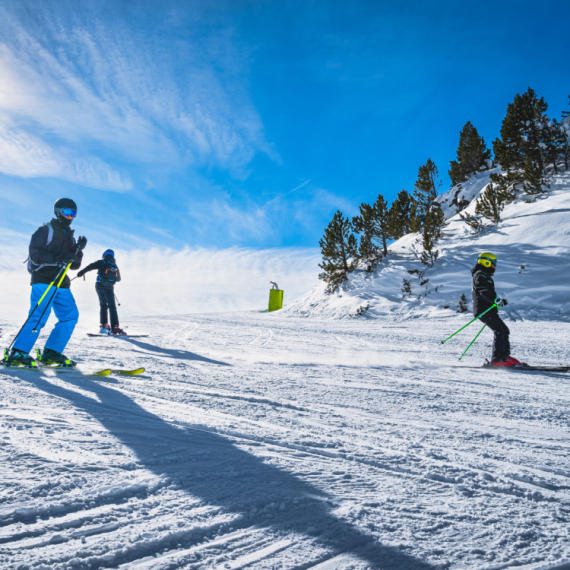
(269, 338)
(330, 455)
(351, 457)
(273, 403)
(354, 458)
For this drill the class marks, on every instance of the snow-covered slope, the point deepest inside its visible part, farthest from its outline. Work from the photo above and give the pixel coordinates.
(260, 442)
(532, 242)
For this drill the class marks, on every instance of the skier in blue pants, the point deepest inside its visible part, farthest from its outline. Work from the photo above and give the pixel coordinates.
(52, 247)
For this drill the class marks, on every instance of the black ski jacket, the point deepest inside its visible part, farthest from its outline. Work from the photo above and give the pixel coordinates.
(53, 254)
(101, 265)
(483, 290)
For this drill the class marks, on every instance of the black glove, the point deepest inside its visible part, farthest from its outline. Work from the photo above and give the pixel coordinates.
(81, 242)
(501, 302)
(80, 273)
(67, 258)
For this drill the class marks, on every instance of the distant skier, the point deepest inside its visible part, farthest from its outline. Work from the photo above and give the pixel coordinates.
(52, 247)
(484, 296)
(107, 275)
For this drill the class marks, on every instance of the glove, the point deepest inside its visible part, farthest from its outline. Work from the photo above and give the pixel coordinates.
(80, 273)
(67, 258)
(81, 242)
(501, 302)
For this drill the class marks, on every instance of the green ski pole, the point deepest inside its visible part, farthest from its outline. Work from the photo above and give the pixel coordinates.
(469, 323)
(471, 344)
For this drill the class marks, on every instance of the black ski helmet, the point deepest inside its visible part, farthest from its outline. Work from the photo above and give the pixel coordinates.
(61, 204)
(109, 252)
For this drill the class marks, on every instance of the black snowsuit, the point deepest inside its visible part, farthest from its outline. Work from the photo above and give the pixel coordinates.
(105, 289)
(484, 296)
(50, 256)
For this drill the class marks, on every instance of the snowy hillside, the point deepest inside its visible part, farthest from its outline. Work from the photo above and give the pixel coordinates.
(532, 243)
(262, 442)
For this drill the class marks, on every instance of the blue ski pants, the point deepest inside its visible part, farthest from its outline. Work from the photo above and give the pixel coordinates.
(65, 310)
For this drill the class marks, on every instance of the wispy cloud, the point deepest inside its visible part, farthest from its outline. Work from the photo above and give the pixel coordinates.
(241, 222)
(22, 154)
(247, 220)
(81, 99)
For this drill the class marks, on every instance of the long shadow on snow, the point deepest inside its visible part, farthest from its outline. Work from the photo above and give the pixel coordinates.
(173, 352)
(214, 470)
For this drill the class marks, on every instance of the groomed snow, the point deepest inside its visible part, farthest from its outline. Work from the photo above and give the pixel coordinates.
(268, 441)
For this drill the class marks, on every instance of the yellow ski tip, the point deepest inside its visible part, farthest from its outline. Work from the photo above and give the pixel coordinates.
(103, 373)
(130, 372)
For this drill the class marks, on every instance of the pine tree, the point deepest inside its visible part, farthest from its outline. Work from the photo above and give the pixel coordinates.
(472, 155)
(558, 147)
(406, 288)
(425, 192)
(364, 225)
(339, 250)
(534, 184)
(382, 220)
(400, 215)
(431, 233)
(523, 133)
(488, 204)
(495, 197)
(373, 225)
(565, 143)
(474, 222)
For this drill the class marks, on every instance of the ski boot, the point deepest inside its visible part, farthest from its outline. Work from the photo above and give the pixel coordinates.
(118, 332)
(18, 358)
(508, 362)
(54, 359)
(105, 329)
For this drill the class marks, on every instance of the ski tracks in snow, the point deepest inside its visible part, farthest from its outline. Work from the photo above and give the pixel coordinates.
(257, 441)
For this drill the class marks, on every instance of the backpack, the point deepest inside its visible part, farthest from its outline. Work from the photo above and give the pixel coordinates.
(34, 266)
(108, 273)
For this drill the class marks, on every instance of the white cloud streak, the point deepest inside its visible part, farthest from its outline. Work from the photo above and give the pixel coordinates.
(79, 93)
(27, 156)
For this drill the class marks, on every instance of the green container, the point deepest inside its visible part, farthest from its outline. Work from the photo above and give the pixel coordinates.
(275, 299)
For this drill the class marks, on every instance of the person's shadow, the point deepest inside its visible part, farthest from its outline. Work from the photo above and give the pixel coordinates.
(171, 352)
(220, 473)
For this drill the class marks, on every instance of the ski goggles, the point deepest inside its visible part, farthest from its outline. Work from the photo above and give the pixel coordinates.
(493, 262)
(67, 212)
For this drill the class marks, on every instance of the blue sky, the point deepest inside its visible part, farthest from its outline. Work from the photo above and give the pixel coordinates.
(249, 123)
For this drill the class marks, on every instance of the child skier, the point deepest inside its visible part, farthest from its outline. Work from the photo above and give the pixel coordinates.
(52, 248)
(107, 275)
(484, 296)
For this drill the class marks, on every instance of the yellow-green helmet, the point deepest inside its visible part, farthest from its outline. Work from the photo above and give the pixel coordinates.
(487, 259)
